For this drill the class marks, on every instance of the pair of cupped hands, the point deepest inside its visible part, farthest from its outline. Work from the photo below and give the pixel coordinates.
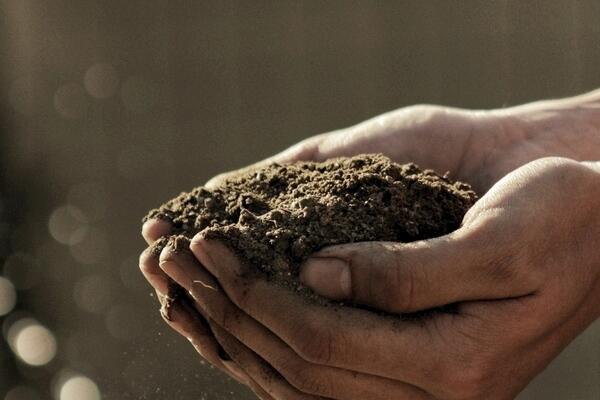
(522, 272)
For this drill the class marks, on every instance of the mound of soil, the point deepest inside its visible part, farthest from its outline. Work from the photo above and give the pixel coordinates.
(274, 218)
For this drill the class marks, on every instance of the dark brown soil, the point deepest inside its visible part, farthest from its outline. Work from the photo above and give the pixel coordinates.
(276, 217)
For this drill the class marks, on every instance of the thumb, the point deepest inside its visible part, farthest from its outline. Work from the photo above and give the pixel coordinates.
(402, 278)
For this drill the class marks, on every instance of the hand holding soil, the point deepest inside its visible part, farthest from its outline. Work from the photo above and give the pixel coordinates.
(277, 217)
(521, 271)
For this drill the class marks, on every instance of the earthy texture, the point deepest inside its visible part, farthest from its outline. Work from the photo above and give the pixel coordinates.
(276, 217)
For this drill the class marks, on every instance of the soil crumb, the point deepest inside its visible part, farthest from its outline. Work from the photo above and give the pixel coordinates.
(274, 218)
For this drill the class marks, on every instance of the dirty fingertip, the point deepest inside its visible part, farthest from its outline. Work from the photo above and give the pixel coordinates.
(154, 228)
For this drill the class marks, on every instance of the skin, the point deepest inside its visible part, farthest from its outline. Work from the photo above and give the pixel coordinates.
(523, 269)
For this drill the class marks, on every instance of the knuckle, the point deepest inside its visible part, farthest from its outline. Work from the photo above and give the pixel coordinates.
(516, 267)
(388, 278)
(505, 261)
(240, 292)
(289, 367)
(227, 318)
(401, 282)
(314, 350)
(304, 378)
(558, 174)
(308, 382)
(314, 344)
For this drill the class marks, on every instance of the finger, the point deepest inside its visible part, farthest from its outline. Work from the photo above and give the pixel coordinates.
(259, 371)
(177, 253)
(211, 351)
(258, 390)
(186, 321)
(468, 264)
(306, 377)
(380, 345)
(154, 229)
(148, 264)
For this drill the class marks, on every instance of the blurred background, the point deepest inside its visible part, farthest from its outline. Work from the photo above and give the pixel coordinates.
(107, 108)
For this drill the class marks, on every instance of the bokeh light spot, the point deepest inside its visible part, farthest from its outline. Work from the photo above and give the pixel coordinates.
(22, 393)
(101, 80)
(79, 388)
(8, 296)
(33, 343)
(68, 225)
(12, 320)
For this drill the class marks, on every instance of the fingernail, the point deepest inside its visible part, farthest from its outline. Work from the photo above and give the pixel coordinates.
(328, 276)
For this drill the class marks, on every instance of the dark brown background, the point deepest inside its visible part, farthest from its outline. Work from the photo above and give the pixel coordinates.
(204, 86)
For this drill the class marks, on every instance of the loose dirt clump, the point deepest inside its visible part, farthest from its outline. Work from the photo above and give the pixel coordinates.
(274, 218)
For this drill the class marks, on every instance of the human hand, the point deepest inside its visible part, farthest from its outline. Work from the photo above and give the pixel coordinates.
(522, 270)
(477, 146)
(183, 318)
(210, 341)
(404, 130)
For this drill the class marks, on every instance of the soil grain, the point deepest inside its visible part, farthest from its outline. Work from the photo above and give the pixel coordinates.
(274, 218)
